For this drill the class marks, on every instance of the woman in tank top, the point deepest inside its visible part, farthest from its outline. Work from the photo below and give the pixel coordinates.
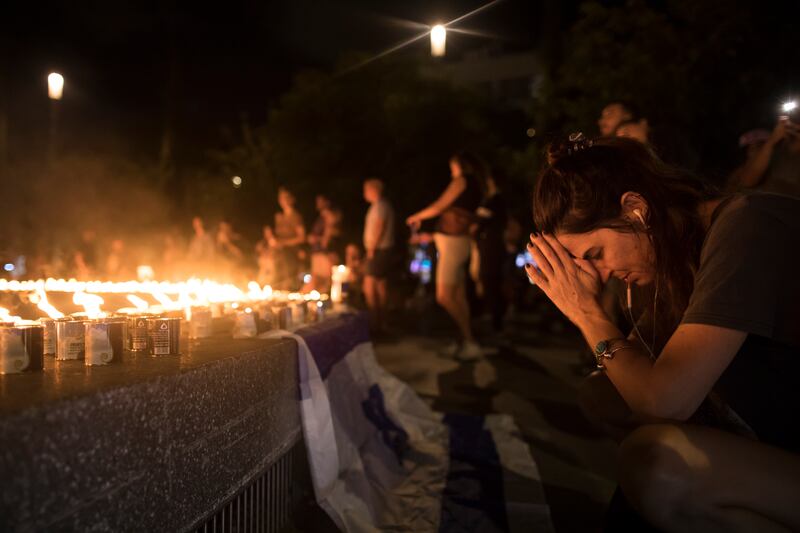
(456, 208)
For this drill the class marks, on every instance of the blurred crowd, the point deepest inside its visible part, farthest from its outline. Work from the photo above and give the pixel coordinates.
(465, 250)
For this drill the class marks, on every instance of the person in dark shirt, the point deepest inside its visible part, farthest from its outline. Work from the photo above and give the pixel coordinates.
(489, 237)
(708, 397)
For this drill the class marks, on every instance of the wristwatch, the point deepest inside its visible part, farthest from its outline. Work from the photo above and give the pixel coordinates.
(606, 350)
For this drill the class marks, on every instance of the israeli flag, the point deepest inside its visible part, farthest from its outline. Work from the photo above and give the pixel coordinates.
(382, 460)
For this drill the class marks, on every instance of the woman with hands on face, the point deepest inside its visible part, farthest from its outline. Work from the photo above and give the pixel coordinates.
(706, 409)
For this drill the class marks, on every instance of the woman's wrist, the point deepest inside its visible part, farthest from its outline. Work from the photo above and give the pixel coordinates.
(596, 326)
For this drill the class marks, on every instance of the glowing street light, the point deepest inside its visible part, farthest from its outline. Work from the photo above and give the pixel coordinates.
(788, 107)
(55, 85)
(237, 181)
(438, 40)
(55, 90)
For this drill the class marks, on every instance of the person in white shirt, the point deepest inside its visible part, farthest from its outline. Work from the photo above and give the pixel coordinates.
(378, 243)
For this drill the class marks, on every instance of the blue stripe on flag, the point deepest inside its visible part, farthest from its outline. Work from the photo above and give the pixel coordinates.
(473, 498)
(393, 435)
(330, 341)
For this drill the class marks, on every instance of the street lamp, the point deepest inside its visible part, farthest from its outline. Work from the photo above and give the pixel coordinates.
(55, 90)
(438, 40)
(55, 85)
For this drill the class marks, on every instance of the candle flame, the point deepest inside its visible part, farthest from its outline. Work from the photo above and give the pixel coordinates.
(39, 297)
(139, 303)
(91, 303)
(6, 316)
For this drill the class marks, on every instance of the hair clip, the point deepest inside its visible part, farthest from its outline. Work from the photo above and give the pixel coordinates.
(579, 142)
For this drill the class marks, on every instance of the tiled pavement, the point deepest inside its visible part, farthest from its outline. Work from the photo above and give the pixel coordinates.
(533, 377)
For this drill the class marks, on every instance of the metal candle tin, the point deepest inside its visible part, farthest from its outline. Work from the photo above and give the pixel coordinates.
(244, 325)
(299, 313)
(105, 341)
(70, 342)
(316, 311)
(137, 332)
(21, 349)
(282, 317)
(200, 323)
(163, 336)
(49, 326)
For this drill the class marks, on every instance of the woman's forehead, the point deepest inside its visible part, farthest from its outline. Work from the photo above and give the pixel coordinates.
(579, 243)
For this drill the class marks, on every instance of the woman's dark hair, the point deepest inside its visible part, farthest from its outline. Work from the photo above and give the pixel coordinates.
(580, 190)
(472, 167)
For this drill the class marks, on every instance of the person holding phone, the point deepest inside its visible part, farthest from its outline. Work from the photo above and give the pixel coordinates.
(703, 393)
(776, 166)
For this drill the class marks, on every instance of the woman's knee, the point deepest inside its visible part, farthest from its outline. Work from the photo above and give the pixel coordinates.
(444, 295)
(655, 475)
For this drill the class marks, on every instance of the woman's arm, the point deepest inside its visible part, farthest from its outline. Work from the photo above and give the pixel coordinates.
(671, 387)
(674, 385)
(448, 196)
(752, 174)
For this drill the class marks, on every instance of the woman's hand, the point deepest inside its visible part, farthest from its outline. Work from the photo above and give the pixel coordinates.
(573, 285)
(414, 222)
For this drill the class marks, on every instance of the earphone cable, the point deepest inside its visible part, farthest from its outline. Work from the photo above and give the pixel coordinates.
(636, 328)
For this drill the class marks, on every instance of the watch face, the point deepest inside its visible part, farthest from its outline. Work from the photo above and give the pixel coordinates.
(601, 347)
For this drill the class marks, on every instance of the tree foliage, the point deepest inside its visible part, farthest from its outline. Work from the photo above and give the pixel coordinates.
(702, 72)
(329, 133)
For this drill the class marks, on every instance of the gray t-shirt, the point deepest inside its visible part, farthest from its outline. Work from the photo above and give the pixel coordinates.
(377, 212)
(747, 280)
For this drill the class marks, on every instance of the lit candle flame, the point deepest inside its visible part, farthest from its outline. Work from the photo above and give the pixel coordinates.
(139, 303)
(6, 316)
(39, 297)
(91, 303)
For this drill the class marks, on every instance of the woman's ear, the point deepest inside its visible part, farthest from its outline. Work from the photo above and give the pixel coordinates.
(634, 207)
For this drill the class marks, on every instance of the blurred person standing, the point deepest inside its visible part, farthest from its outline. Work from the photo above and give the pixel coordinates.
(354, 261)
(117, 265)
(264, 258)
(379, 244)
(289, 236)
(171, 256)
(456, 208)
(202, 252)
(85, 257)
(492, 219)
(775, 166)
(324, 240)
(229, 254)
(636, 129)
(612, 115)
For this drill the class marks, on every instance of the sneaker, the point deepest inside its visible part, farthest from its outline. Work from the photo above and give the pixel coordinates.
(470, 351)
(451, 349)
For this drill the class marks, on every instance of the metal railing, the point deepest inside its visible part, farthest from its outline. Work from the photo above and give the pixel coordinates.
(263, 506)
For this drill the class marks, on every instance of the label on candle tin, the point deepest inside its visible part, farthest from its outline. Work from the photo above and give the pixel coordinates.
(70, 342)
(138, 334)
(160, 336)
(13, 355)
(49, 337)
(98, 345)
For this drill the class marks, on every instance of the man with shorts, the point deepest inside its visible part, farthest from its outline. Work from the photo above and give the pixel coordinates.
(378, 243)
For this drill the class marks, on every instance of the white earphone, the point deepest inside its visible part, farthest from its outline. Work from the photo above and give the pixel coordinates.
(650, 349)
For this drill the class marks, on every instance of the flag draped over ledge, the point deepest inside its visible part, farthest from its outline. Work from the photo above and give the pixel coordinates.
(381, 459)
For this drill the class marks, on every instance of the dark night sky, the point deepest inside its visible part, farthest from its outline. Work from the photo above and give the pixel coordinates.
(230, 58)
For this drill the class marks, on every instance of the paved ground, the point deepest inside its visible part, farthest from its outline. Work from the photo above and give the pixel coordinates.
(533, 377)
